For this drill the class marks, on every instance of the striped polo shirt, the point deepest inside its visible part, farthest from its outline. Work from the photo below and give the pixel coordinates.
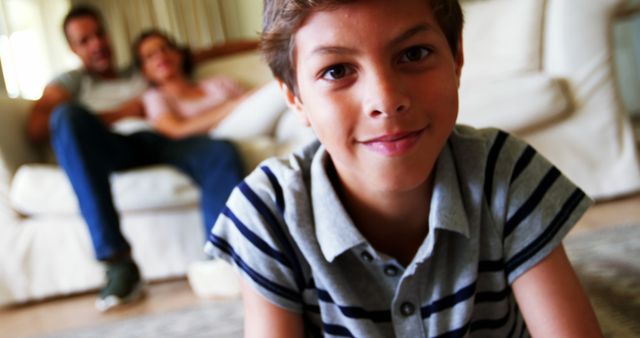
(497, 209)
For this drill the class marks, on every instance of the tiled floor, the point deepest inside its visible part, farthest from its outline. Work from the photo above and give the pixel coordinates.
(78, 311)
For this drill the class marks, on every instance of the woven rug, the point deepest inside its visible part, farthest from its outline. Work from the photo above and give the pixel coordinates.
(607, 262)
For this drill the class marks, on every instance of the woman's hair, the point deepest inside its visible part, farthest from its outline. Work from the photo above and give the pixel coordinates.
(187, 58)
(282, 18)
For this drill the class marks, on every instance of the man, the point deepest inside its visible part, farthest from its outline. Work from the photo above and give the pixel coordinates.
(81, 110)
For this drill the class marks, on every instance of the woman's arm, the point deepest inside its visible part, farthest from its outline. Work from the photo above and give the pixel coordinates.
(552, 301)
(263, 319)
(175, 126)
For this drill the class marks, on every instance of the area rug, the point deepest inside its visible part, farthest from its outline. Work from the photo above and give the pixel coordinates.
(607, 262)
(214, 319)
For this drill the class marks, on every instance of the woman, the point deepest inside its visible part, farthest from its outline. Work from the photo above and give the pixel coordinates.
(176, 105)
(182, 112)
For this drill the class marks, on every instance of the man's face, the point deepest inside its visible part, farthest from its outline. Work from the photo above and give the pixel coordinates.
(378, 84)
(89, 41)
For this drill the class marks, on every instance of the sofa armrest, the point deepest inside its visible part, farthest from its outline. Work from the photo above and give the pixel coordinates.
(15, 147)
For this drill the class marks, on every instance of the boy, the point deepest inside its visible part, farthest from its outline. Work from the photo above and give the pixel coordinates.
(396, 223)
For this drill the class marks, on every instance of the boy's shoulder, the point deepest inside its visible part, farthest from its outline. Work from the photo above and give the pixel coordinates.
(297, 164)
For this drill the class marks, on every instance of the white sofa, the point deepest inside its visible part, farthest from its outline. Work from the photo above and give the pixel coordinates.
(540, 69)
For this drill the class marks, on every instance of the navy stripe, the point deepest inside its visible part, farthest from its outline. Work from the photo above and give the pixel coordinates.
(336, 330)
(523, 162)
(354, 312)
(556, 224)
(273, 223)
(485, 324)
(276, 188)
(491, 266)
(275, 288)
(492, 296)
(312, 308)
(491, 163)
(532, 202)
(256, 240)
(448, 301)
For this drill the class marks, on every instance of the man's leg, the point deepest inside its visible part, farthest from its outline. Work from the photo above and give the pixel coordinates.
(215, 165)
(88, 152)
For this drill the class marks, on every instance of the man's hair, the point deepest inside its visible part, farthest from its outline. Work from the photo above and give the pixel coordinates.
(282, 18)
(78, 12)
(187, 57)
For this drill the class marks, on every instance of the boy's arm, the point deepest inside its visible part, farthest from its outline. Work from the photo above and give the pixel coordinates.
(38, 122)
(263, 319)
(552, 300)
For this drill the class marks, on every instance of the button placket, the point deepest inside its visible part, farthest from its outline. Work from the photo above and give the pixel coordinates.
(407, 309)
(391, 270)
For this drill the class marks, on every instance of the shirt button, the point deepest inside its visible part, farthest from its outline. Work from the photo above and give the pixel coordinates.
(390, 270)
(407, 309)
(366, 256)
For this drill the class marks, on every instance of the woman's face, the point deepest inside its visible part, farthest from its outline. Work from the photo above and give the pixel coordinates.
(161, 62)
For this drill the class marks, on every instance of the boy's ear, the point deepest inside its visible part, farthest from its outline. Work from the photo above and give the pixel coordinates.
(459, 59)
(293, 102)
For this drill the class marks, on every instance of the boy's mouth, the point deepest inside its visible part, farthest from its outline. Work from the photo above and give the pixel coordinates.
(393, 144)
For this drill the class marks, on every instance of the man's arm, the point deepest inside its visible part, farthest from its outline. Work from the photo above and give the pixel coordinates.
(132, 108)
(225, 49)
(38, 122)
(552, 301)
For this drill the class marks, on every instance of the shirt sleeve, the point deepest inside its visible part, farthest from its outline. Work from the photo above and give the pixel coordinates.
(71, 81)
(251, 235)
(533, 203)
(155, 104)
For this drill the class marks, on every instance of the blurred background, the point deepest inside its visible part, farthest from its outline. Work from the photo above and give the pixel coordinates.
(33, 48)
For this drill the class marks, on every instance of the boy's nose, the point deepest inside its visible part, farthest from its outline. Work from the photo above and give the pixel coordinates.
(386, 97)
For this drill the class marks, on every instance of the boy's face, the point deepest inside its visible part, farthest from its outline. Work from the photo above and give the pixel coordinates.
(378, 84)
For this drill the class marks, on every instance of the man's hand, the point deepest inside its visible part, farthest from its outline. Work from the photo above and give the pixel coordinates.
(133, 108)
(38, 122)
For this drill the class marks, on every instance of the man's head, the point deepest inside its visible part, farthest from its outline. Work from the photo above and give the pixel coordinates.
(377, 80)
(84, 29)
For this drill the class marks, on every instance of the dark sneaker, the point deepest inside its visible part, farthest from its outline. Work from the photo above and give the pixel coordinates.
(124, 285)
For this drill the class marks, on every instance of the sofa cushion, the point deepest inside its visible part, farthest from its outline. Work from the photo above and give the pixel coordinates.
(515, 104)
(502, 37)
(39, 189)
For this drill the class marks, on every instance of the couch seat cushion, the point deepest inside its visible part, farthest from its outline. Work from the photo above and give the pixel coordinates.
(39, 189)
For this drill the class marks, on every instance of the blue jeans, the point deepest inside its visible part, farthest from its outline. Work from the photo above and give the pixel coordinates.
(89, 152)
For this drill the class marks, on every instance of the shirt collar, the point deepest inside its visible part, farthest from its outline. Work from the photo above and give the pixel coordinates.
(335, 230)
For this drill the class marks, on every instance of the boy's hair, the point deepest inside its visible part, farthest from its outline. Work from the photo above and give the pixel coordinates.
(282, 18)
(81, 11)
(187, 58)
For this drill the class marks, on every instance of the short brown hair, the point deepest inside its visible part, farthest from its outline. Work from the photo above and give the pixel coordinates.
(81, 11)
(282, 18)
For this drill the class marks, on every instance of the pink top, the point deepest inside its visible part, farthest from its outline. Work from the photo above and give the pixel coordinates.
(217, 90)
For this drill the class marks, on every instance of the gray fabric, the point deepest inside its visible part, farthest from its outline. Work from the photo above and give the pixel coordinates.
(303, 253)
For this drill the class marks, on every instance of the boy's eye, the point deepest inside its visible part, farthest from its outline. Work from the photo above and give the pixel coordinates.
(414, 54)
(336, 72)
